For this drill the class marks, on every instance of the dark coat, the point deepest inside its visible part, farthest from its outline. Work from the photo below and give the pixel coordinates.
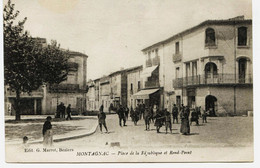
(46, 126)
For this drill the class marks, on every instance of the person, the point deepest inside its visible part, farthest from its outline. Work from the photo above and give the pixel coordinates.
(158, 120)
(63, 108)
(47, 132)
(132, 113)
(185, 127)
(175, 113)
(126, 112)
(168, 123)
(147, 118)
(121, 115)
(101, 107)
(58, 113)
(102, 120)
(110, 108)
(142, 110)
(136, 116)
(69, 112)
(25, 142)
(204, 116)
(194, 117)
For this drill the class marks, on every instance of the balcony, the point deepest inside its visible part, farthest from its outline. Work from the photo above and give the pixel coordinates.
(218, 79)
(152, 84)
(34, 94)
(64, 88)
(176, 57)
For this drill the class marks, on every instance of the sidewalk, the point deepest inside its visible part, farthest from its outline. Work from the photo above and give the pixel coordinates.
(31, 126)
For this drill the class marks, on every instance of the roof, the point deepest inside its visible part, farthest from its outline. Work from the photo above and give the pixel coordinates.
(232, 21)
(75, 53)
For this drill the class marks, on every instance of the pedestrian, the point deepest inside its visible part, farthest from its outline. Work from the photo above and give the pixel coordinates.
(102, 120)
(69, 112)
(147, 118)
(58, 111)
(185, 127)
(159, 118)
(194, 117)
(63, 108)
(121, 115)
(204, 116)
(101, 108)
(136, 116)
(47, 132)
(175, 113)
(168, 122)
(132, 113)
(126, 112)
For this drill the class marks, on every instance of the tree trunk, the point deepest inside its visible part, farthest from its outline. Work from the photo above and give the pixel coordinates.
(17, 105)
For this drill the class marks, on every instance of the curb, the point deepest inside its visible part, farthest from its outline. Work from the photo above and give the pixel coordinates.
(92, 131)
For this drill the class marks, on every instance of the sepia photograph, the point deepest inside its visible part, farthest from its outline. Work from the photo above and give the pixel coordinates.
(127, 81)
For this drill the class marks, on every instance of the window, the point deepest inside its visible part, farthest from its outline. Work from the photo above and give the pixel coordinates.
(177, 48)
(139, 85)
(177, 73)
(210, 37)
(211, 70)
(242, 36)
(131, 88)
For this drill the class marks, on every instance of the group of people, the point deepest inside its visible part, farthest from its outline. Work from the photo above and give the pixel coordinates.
(61, 109)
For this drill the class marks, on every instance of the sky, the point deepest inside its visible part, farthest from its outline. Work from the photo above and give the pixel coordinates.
(113, 32)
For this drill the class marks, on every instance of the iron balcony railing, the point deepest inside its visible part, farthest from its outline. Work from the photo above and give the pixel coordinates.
(211, 79)
(64, 88)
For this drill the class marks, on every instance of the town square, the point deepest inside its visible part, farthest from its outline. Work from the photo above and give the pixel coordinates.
(92, 82)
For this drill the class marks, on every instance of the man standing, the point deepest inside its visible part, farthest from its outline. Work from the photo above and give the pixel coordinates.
(168, 123)
(121, 115)
(102, 120)
(69, 112)
(175, 113)
(63, 108)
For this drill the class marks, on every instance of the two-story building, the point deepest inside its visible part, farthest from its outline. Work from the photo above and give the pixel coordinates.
(45, 99)
(208, 65)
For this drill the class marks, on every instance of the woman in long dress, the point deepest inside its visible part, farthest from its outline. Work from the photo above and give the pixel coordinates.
(185, 126)
(47, 132)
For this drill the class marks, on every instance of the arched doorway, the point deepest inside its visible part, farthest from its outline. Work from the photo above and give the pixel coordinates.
(242, 70)
(211, 105)
(211, 72)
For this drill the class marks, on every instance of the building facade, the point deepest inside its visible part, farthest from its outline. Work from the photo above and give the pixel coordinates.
(209, 65)
(45, 99)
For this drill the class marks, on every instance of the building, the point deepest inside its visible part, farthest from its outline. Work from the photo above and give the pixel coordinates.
(45, 99)
(72, 91)
(134, 85)
(208, 65)
(114, 89)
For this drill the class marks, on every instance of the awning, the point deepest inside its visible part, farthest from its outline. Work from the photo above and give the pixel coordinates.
(144, 94)
(147, 72)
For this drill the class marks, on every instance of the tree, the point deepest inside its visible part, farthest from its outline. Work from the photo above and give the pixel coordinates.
(27, 64)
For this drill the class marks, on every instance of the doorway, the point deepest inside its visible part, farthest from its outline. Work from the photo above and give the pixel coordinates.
(242, 70)
(211, 105)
